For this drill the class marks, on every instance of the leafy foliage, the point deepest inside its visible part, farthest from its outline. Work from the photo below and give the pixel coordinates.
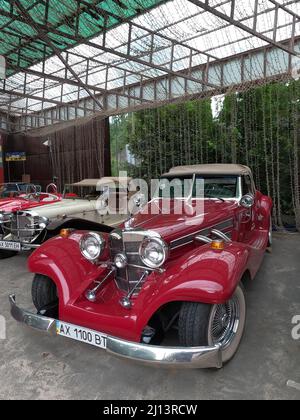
(259, 128)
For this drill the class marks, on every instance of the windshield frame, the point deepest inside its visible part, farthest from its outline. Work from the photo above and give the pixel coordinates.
(194, 177)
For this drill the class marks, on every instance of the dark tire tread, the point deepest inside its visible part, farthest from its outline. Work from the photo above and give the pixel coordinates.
(43, 291)
(193, 324)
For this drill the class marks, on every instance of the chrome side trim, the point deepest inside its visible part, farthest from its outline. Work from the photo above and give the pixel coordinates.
(204, 239)
(179, 357)
(221, 235)
(185, 240)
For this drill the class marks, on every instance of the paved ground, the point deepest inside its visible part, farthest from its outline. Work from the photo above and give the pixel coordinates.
(38, 367)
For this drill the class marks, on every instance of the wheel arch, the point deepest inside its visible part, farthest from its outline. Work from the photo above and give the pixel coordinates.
(56, 226)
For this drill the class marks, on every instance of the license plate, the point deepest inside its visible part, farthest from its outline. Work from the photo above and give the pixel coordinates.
(12, 246)
(82, 334)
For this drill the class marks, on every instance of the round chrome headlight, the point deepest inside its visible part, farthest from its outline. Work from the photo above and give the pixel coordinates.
(154, 252)
(43, 222)
(92, 245)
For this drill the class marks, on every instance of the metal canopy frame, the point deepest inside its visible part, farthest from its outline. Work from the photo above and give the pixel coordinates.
(62, 66)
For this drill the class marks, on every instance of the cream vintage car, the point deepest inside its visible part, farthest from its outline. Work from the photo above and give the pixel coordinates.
(91, 204)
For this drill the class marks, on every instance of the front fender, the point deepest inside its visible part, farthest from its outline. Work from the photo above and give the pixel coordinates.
(60, 259)
(55, 226)
(203, 275)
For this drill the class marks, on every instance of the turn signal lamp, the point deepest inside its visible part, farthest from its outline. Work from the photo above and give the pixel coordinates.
(65, 233)
(217, 245)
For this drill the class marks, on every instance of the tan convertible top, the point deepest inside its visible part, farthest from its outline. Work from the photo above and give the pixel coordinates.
(106, 181)
(210, 169)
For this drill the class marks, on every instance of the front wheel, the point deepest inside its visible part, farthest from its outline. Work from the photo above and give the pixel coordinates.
(208, 325)
(44, 296)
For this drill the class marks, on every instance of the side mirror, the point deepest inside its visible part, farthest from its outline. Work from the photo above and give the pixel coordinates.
(247, 201)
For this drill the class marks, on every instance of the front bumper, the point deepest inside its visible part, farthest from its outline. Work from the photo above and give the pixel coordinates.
(180, 357)
(23, 246)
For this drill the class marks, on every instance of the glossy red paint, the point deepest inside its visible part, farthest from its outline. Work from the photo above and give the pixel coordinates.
(194, 272)
(173, 226)
(21, 203)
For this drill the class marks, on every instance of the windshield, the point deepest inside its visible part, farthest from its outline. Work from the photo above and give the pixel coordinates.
(30, 188)
(198, 186)
(9, 187)
(178, 187)
(217, 187)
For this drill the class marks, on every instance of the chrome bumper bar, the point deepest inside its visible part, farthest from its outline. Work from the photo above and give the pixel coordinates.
(24, 246)
(180, 357)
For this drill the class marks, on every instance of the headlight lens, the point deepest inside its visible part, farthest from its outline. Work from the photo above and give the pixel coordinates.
(92, 245)
(154, 252)
(43, 222)
(5, 217)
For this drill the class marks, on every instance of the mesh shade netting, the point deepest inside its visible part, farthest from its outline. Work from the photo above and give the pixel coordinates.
(259, 127)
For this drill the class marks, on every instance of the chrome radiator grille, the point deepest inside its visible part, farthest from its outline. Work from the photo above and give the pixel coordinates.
(21, 227)
(127, 243)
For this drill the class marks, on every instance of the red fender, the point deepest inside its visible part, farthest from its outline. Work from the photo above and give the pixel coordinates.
(60, 259)
(202, 275)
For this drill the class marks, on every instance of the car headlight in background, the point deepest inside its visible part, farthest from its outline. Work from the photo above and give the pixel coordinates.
(92, 246)
(5, 217)
(42, 222)
(154, 252)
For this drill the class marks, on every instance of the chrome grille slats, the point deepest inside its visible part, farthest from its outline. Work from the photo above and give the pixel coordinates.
(22, 226)
(127, 242)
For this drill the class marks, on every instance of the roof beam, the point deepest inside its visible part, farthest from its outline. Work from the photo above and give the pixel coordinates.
(23, 95)
(44, 36)
(204, 4)
(285, 8)
(62, 80)
(44, 30)
(150, 32)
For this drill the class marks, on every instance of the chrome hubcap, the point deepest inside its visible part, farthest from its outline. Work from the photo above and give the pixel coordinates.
(271, 234)
(224, 322)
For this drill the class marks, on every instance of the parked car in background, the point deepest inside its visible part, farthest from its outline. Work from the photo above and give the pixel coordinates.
(122, 290)
(30, 200)
(39, 218)
(14, 189)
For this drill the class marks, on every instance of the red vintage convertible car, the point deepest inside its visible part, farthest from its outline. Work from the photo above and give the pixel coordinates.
(30, 200)
(159, 272)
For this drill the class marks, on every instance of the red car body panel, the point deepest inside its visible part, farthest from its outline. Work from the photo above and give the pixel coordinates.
(21, 203)
(193, 273)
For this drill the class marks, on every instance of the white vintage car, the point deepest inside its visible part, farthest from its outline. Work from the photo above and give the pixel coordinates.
(91, 204)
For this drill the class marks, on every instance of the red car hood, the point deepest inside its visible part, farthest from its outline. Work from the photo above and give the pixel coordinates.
(19, 204)
(12, 204)
(172, 226)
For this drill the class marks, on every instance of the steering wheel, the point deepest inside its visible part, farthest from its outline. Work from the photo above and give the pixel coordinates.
(31, 189)
(52, 187)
